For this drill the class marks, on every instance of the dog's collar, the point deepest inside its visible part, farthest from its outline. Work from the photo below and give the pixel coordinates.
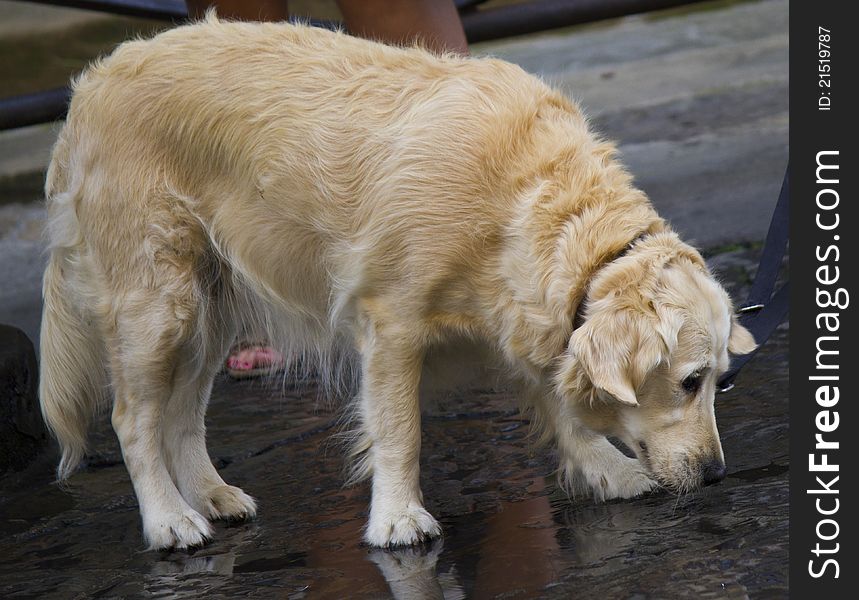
(579, 315)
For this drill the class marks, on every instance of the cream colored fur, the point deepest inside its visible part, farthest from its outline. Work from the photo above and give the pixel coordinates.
(361, 205)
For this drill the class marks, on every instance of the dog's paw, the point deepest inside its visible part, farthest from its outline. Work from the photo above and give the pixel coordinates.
(629, 482)
(229, 503)
(618, 478)
(176, 530)
(401, 528)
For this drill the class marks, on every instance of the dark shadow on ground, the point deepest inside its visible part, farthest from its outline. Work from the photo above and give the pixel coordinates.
(509, 532)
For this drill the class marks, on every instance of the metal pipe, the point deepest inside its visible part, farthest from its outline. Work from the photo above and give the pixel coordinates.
(480, 25)
(161, 10)
(30, 109)
(530, 17)
(166, 10)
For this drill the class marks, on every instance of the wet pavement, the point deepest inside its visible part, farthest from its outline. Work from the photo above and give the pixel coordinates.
(698, 102)
(508, 530)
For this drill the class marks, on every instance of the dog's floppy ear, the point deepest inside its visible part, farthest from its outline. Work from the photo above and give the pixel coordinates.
(616, 350)
(740, 341)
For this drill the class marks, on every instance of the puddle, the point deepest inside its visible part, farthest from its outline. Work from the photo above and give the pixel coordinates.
(771, 470)
(509, 531)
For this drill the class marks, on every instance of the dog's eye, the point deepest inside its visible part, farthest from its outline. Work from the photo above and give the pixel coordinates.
(692, 383)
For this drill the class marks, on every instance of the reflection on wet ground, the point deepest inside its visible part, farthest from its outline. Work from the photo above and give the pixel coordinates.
(509, 532)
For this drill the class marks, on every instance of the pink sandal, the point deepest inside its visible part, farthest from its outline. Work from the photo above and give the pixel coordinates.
(253, 360)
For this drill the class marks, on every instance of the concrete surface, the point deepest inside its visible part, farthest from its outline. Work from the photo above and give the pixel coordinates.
(30, 19)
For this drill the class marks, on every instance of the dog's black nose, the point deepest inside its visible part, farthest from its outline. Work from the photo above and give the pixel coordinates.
(714, 472)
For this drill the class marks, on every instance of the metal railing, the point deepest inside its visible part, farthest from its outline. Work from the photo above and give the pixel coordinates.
(480, 24)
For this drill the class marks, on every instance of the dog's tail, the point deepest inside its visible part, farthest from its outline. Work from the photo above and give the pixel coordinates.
(73, 376)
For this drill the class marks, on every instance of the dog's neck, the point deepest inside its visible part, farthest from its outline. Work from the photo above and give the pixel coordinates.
(579, 314)
(574, 214)
(547, 278)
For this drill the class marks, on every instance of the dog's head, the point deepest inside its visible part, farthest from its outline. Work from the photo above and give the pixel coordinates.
(644, 364)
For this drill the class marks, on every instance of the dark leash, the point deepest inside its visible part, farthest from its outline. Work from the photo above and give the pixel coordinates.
(764, 311)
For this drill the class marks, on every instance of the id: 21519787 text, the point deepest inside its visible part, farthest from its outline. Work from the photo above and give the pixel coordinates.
(824, 68)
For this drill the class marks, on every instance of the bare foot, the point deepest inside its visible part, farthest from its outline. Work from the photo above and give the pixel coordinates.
(253, 361)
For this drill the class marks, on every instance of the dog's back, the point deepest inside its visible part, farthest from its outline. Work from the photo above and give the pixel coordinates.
(227, 176)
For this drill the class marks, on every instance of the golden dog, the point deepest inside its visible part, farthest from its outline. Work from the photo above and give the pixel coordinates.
(361, 204)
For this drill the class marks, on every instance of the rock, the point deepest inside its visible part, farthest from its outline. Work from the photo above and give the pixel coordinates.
(22, 431)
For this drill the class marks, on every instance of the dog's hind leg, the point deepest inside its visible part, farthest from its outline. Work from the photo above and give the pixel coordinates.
(185, 432)
(146, 355)
(391, 421)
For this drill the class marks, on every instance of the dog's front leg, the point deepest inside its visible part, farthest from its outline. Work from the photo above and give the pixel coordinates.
(589, 463)
(592, 464)
(391, 424)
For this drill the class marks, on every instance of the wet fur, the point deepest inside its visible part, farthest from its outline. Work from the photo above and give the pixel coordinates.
(361, 206)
